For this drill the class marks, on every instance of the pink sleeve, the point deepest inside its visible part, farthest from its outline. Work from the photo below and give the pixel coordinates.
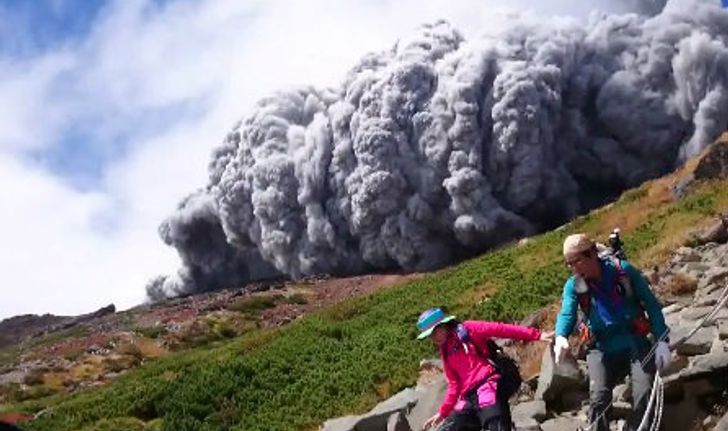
(453, 391)
(481, 330)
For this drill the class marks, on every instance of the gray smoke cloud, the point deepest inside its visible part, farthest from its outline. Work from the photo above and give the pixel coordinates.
(442, 147)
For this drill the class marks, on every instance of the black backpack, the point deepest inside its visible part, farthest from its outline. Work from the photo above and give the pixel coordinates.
(507, 367)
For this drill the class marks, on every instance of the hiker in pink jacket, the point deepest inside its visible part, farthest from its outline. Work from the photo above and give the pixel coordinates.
(472, 401)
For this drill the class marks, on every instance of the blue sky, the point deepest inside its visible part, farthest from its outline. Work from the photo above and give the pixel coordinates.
(109, 111)
(44, 24)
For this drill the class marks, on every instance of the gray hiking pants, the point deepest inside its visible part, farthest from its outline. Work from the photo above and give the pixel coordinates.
(605, 372)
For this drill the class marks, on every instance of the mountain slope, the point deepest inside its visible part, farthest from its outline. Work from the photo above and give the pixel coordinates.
(345, 358)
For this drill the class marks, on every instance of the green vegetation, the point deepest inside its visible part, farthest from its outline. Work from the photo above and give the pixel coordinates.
(254, 304)
(346, 358)
(153, 332)
(78, 331)
(296, 298)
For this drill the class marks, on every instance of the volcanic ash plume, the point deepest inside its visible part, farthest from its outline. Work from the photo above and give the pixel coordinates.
(442, 147)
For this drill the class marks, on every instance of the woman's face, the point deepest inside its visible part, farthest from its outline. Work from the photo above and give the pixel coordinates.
(585, 265)
(439, 335)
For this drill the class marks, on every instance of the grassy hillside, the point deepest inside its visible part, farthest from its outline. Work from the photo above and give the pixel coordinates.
(346, 358)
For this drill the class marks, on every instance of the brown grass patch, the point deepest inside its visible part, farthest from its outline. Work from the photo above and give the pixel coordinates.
(56, 380)
(477, 295)
(149, 348)
(383, 390)
(678, 285)
(170, 376)
(88, 371)
(676, 233)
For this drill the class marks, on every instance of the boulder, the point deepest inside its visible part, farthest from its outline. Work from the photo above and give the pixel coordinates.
(562, 423)
(525, 413)
(714, 163)
(698, 344)
(555, 380)
(378, 418)
(722, 424)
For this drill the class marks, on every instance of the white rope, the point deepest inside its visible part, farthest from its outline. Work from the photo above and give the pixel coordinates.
(651, 401)
(660, 405)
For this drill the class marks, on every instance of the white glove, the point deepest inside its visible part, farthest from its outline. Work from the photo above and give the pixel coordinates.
(662, 355)
(561, 345)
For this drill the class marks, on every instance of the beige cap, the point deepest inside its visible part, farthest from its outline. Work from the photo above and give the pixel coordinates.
(577, 243)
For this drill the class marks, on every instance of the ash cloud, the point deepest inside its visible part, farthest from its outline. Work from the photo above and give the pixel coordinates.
(441, 147)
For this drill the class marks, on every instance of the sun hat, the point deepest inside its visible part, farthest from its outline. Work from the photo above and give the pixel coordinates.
(577, 243)
(429, 320)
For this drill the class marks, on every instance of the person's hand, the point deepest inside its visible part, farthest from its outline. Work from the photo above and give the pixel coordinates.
(547, 336)
(561, 345)
(434, 420)
(662, 355)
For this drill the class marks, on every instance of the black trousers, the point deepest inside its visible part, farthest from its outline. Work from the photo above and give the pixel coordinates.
(490, 418)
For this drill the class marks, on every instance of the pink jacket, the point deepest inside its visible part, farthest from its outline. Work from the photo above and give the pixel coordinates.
(464, 370)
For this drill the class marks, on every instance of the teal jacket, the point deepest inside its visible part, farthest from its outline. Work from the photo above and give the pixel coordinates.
(617, 337)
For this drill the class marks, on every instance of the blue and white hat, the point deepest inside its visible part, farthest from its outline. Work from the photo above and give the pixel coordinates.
(429, 320)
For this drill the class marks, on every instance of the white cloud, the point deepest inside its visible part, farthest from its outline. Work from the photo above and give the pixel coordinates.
(193, 68)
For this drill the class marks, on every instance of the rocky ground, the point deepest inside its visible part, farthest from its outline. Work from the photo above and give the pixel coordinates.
(691, 285)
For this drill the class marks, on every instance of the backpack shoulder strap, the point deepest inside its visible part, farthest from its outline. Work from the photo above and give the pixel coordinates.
(623, 280)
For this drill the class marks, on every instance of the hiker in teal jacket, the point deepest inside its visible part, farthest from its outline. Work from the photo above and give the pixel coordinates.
(621, 314)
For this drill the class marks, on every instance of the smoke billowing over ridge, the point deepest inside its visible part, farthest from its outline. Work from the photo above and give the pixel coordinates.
(443, 147)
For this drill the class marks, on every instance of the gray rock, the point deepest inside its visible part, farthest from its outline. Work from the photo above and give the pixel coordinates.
(523, 412)
(722, 314)
(562, 423)
(378, 418)
(697, 271)
(430, 396)
(707, 298)
(722, 425)
(695, 313)
(620, 410)
(713, 278)
(400, 401)
(622, 392)
(706, 365)
(12, 377)
(528, 425)
(672, 308)
(698, 344)
(714, 164)
(685, 255)
(677, 364)
(555, 380)
(723, 329)
(718, 346)
(673, 320)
